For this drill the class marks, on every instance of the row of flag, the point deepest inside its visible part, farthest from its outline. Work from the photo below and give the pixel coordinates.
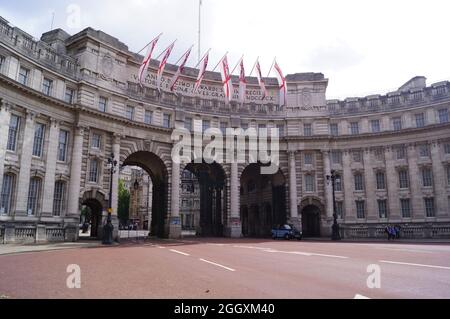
(203, 63)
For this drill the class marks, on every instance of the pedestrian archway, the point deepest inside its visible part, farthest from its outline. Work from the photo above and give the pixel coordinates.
(263, 201)
(93, 203)
(156, 169)
(311, 221)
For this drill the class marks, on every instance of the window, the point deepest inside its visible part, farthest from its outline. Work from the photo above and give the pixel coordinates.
(280, 128)
(34, 193)
(424, 150)
(336, 157)
(405, 205)
(23, 75)
(447, 148)
(7, 194)
(69, 95)
(429, 207)
(13, 133)
(223, 127)
(397, 123)
(403, 180)
(102, 101)
(47, 86)
(96, 141)
(148, 115)
(401, 152)
(129, 112)
(93, 171)
(38, 143)
(375, 124)
(357, 156)
(205, 125)
(339, 210)
(443, 116)
(360, 209)
(338, 183)
(420, 120)
(359, 182)
(354, 128)
(308, 159)
(310, 185)
(62, 145)
(2, 62)
(382, 208)
(427, 177)
(307, 129)
(188, 123)
(166, 120)
(59, 198)
(381, 180)
(334, 130)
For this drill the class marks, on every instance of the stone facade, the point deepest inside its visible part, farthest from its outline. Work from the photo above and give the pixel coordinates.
(70, 102)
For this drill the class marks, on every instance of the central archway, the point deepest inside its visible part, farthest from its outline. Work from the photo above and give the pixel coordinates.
(311, 221)
(211, 180)
(263, 201)
(156, 169)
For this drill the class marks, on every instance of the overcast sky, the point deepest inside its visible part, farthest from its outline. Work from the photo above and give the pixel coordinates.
(362, 47)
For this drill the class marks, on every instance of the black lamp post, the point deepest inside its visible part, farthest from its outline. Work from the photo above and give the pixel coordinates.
(335, 234)
(109, 227)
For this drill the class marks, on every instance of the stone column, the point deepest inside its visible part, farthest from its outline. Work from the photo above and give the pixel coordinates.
(115, 185)
(394, 213)
(293, 199)
(75, 174)
(439, 180)
(349, 200)
(50, 170)
(25, 165)
(328, 185)
(416, 198)
(370, 183)
(175, 223)
(5, 117)
(234, 224)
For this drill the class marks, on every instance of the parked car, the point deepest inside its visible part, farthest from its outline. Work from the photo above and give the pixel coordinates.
(286, 231)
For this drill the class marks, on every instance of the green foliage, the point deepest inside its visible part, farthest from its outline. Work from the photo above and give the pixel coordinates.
(124, 203)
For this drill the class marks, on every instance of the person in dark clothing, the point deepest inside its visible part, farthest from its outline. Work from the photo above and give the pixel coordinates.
(397, 231)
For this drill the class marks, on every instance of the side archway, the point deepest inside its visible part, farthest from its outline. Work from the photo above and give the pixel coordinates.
(311, 210)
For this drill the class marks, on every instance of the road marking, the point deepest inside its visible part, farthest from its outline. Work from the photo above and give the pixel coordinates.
(218, 265)
(160, 247)
(179, 252)
(408, 250)
(331, 256)
(358, 296)
(411, 264)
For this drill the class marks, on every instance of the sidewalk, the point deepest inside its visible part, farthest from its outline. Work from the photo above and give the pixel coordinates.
(10, 249)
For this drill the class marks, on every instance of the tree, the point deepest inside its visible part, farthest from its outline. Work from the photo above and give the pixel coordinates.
(124, 203)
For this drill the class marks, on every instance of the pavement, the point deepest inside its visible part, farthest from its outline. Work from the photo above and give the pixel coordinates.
(232, 268)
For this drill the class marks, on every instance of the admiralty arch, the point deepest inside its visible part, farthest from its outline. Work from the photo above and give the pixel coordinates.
(70, 102)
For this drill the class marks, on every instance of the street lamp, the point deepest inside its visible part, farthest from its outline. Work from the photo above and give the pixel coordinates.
(109, 227)
(333, 178)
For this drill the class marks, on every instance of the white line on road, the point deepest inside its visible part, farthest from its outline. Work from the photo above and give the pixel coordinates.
(331, 256)
(411, 264)
(408, 250)
(358, 296)
(218, 265)
(179, 252)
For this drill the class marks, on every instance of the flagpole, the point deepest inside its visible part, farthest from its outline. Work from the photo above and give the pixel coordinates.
(202, 59)
(199, 27)
(219, 62)
(273, 63)
(164, 51)
(254, 66)
(184, 55)
(239, 62)
(149, 43)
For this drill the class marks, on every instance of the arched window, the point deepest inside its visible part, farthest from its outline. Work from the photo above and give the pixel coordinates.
(6, 197)
(34, 195)
(59, 198)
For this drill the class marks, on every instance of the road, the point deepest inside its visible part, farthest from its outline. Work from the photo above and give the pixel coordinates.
(232, 268)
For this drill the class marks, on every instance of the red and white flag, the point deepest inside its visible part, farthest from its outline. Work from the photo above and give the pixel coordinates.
(180, 70)
(242, 82)
(201, 73)
(282, 84)
(226, 79)
(162, 65)
(261, 82)
(147, 59)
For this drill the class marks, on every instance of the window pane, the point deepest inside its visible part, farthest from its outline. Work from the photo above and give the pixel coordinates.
(360, 209)
(59, 198)
(47, 85)
(420, 120)
(93, 171)
(14, 125)
(38, 139)
(381, 180)
(62, 145)
(443, 116)
(6, 194)
(33, 196)
(102, 104)
(406, 208)
(69, 96)
(354, 127)
(359, 186)
(403, 179)
(429, 207)
(148, 117)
